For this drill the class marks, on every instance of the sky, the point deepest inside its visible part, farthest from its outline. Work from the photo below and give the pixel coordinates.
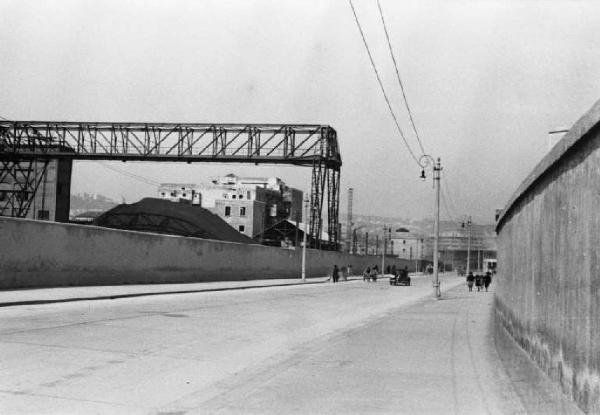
(486, 81)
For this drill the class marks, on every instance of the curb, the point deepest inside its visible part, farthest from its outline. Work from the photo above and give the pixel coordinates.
(147, 294)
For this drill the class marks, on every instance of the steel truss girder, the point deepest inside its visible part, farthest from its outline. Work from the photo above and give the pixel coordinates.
(258, 143)
(296, 144)
(24, 177)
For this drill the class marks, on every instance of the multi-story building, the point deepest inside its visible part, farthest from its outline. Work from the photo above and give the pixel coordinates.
(408, 245)
(455, 246)
(178, 191)
(249, 204)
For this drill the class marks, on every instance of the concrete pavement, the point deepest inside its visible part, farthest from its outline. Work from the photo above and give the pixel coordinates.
(36, 296)
(435, 357)
(320, 348)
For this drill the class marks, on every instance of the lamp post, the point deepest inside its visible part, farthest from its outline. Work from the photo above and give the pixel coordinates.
(426, 161)
(383, 253)
(306, 201)
(469, 246)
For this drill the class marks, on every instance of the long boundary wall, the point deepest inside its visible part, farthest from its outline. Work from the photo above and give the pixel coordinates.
(46, 254)
(548, 263)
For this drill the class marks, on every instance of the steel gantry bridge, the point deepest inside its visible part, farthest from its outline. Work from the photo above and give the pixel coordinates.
(26, 147)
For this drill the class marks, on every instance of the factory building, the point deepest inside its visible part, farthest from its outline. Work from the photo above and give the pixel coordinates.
(248, 204)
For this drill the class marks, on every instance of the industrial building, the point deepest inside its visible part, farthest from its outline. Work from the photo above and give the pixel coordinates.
(36, 189)
(248, 204)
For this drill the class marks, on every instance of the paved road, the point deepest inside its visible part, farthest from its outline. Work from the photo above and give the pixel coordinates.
(348, 348)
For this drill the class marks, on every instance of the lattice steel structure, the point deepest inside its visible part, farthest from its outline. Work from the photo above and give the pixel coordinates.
(23, 142)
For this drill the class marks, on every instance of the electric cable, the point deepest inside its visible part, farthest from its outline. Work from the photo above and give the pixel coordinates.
(387, 100)
(444, 202)
(134, 176)
(449, 191)
(387, 36)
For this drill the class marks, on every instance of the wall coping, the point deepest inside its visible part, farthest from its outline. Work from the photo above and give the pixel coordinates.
(575, 134)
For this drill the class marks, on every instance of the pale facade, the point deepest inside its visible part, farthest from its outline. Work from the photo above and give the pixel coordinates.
(248, 204)
(408, 245)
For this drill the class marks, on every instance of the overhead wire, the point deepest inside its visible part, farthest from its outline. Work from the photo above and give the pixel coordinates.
(449, 187)
(387, 100)
(387, 36)
(134, 176)
(445, 204)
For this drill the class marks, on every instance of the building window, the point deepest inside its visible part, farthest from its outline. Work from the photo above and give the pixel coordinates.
(173, 193)
(184, 195)
(227, 210)
(241, 228)
(163, 194)
(233, 196)
(224, 195)
(404, 241)
(240, 196)
(248, 195)
(242, 211)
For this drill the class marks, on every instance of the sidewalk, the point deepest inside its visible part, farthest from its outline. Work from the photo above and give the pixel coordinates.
(35, 296)
(434, 357)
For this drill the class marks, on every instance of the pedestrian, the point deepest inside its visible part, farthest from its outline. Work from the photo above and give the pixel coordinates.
(367, 274)
(487, 280)
(374, 272)
(470, 281)
(478, 282)
(388, 269)
(394, 270)
(336, 274)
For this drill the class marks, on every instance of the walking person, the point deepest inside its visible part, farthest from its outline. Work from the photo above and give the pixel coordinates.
(487, 280)
(336, 274)
(470, 281)
(367, 274)
(478, 282)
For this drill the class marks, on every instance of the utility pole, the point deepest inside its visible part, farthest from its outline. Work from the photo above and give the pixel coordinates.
(383, 253)
(349, 223)
(304, 238)
(436, 182)
(427, 161)
(469, 246)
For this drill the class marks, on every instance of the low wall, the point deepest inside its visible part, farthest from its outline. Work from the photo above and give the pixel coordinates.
(47, 254)
(548, 263)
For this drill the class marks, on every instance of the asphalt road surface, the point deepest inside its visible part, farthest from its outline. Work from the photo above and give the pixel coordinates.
(352, 347)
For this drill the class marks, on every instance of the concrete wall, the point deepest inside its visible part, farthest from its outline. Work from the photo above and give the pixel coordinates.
(41, 254)
(548, 263)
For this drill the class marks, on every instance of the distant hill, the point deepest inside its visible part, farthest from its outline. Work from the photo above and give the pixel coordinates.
(94, 202)
(371, 223)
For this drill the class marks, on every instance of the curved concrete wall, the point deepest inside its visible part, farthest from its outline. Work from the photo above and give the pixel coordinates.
(548, 263)
(46, 254)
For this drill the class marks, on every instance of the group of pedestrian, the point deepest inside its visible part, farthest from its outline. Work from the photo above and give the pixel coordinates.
(370, 274)
(345, 273)
(481, 281)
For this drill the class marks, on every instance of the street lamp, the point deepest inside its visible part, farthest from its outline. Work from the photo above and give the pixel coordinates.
(426, 162)
(306, 201)
(469, 246)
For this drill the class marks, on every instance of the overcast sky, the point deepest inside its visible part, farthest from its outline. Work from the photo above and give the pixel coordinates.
(486, 81)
